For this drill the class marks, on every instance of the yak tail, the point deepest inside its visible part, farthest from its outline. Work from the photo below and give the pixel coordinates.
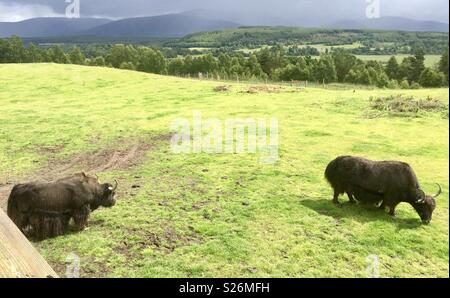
(331, 172)
(12, 206)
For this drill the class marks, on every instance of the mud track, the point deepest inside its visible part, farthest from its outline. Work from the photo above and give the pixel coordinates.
(125, 154)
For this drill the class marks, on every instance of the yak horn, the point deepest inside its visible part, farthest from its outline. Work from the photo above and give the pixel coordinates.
(117, 184)
(439, 191)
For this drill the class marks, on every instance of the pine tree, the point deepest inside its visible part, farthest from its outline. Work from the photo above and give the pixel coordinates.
(324, 70)
(343, 62)
(418, 65)
(431, 78)
(56, 54)
(392, 68)
(16, 51)
(443, 64)
(76, 57)
(33, 54)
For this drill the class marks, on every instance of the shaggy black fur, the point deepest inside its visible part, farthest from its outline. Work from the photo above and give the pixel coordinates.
(48, 207)
(374, 182)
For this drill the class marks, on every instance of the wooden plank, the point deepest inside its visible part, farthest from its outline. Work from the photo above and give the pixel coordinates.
(18, 257)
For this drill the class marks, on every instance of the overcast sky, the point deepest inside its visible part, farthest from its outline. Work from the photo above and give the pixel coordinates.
(332, 10)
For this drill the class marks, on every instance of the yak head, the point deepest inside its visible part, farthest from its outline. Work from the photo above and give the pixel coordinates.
(425, 205)
(108, 197)
(104, 193)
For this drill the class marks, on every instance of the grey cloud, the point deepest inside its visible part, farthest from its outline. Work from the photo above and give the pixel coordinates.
(295, 11)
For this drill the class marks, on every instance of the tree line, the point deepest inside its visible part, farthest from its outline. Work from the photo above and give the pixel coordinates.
(265, 64)
(373, 42)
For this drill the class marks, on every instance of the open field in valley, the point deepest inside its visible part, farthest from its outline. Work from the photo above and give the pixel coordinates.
(227, 215)
(430, 60)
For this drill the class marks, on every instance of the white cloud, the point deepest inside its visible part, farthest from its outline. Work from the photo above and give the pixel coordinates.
(14, 12)
(432, 10)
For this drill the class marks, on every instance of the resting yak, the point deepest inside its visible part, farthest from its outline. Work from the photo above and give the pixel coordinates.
(49, 207)
(385, 182)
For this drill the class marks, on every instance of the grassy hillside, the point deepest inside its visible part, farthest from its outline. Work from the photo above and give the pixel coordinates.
(254, 37)
(169, 25)
(227, 215)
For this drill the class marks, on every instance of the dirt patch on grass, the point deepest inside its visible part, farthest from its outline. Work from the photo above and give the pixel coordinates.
(164, 240)
(263, 89)
(90, 267)
(47, 150)
(405, 106)
(123, 154)
(222, 88)
(102, 160)
(170, 239)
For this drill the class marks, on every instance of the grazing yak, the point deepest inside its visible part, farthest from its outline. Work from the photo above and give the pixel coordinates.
(49, 207)
(385, 182)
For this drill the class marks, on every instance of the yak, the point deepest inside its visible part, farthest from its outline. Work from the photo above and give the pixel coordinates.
(48, 207)
(387, 183)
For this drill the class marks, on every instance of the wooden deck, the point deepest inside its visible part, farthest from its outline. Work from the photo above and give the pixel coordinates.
(18, 257)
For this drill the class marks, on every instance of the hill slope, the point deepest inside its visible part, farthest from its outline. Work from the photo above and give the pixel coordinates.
(172, 25)
(46, 27)
(260, 36)
(178, 25)
(311, 21)
(227, 215)
(392, 23)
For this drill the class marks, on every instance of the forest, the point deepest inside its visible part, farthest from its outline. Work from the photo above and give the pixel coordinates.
(267, 63)
(372, 41)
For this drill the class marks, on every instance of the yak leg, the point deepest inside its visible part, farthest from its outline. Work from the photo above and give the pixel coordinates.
(57, 226)
(81, 217)
(336, 197)
(80, 221)
(37, 223)
(390, 203)
(65, 222)
(351, 198)
(392, 210)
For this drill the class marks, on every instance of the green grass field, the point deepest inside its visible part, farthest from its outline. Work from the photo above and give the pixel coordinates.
(221, 215)
(322, 48)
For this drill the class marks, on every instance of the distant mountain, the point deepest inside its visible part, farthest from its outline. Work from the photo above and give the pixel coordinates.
(46, 27)
(384, 23)
(179, 25)
(171, 25)
(391, 23)
(240, 17)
